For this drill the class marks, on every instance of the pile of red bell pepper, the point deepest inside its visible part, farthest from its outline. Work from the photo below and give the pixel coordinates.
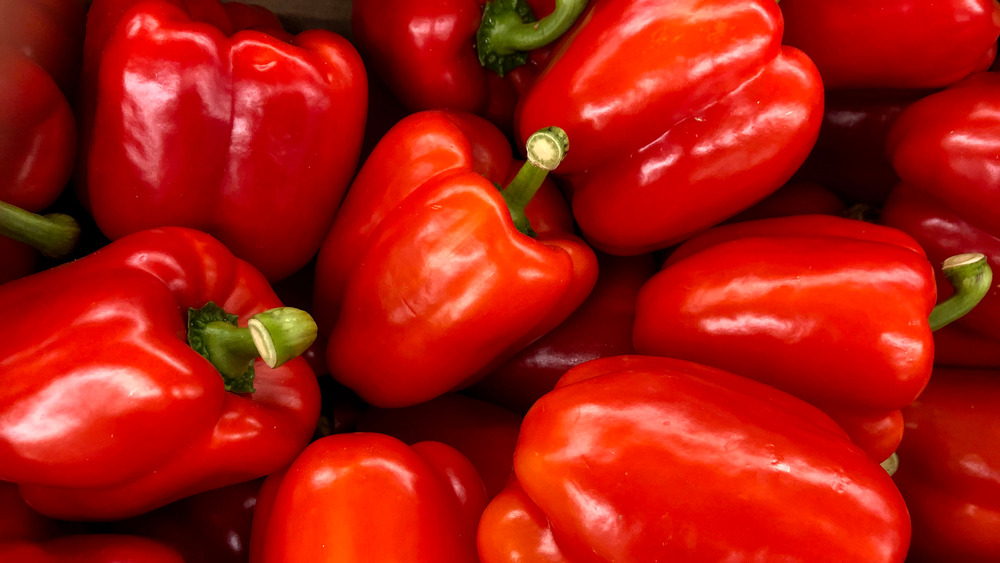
(497, 281)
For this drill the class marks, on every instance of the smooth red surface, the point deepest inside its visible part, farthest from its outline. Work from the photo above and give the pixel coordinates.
(949, 470)
(894, 43)
(679, 114)
(251, 134)
(370, 497)
(945, 150)
(652, 459)
(424, 255)
(120, 415)
(832, 310)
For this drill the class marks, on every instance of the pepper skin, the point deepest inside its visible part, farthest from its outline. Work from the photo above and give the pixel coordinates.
(600, 327)
(18, 521)
(894, 43)
(369, 497)
(90, 548)
(681, 114)
(425, 52)
(635, 458)
(424, 255)
(944, 148)
(832, 310)
(210, 116)
(949, 466)
(38, 70)
(107, 412)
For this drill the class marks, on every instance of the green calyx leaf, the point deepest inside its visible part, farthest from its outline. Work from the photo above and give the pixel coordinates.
(497, 15)
(214, 334)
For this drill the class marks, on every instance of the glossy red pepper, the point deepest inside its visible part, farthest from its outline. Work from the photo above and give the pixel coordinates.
(680, 114)
(370, 497)
(107, 411)
(483, 432)
(835, 311)
(90, 548)
(600, 327)
(209, 115)
(894, 43)
(944, 148)
(426, 254)
(40, 43)
(637, 458)
(467, 55)
(949, 467)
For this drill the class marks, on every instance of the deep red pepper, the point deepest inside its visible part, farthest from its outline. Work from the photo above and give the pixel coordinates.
(483, 432)
(40, 43)
(944, 148)
(209, 115)
(835, 311)
(895, 43)
(849, 156)
(680, 114)
(209, 527)
(90, 548)
(949, 470)
(428, 56)
(370, 497)
(651, 459)
(106, 411)
(600, 327)
(425, 253)
(18, 521)
(794, 198)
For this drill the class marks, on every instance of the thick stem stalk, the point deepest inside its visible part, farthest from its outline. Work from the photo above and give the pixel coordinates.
(54, 235)
(971, 276)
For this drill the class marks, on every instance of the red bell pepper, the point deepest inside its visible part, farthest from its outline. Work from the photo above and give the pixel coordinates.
(835, 311)
(483, 432)
(38, 68)
(944, 149)
(115, 409)
(635, 458)
(427, 254)
(209, 115)
(90, 548)
(894, 43)
(370, 497)
(681, 114)
(467, 55)
(949, 471)
(600, 327)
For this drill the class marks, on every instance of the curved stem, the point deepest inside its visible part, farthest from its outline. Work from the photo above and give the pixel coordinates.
(277, 335)
(971, 276)
(546, 148)
(508, 30)
(54, 235)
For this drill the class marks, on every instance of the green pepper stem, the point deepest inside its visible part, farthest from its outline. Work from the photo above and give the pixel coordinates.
(971, 276)
(276, 335)
(509, 29)
(546, 148)
(54, 235)
(891, 464)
